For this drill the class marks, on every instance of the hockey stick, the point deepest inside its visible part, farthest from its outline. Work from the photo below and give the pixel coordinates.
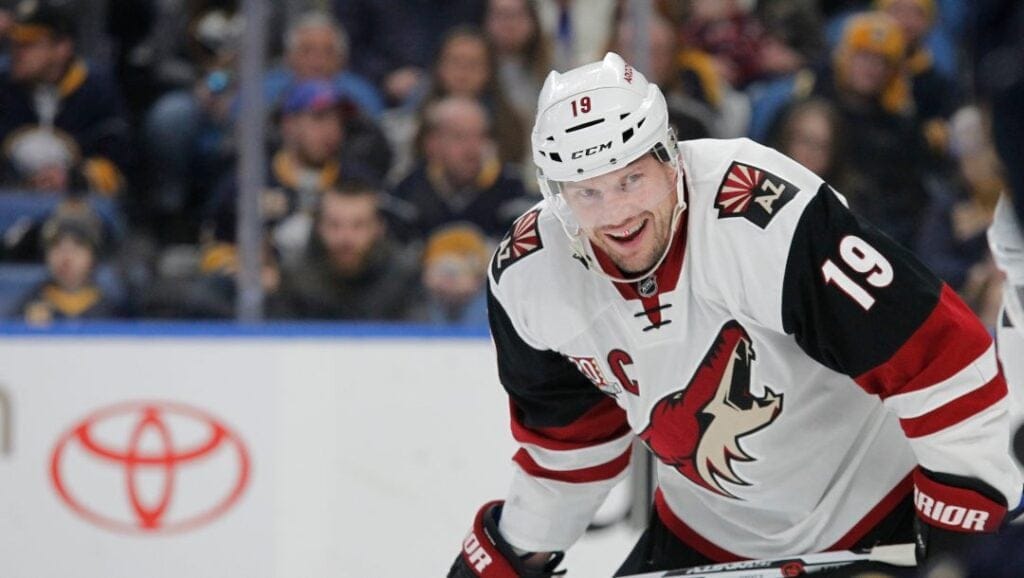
(896, 555)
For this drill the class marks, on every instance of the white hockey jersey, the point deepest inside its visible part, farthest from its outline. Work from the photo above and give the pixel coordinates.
(788, 365)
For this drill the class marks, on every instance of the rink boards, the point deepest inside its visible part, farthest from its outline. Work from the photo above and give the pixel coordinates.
(203, 451)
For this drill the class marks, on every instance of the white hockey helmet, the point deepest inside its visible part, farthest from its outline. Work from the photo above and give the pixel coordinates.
(596, 119)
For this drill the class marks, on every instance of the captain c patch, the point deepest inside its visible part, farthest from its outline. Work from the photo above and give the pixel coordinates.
(752, 193)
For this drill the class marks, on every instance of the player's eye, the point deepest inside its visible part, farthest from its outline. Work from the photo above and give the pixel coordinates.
(632, 181)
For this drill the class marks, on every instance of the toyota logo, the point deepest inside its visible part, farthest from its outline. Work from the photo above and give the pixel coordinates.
(149, 467)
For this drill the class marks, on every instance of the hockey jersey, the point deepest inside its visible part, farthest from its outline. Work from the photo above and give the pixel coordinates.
(788, 365)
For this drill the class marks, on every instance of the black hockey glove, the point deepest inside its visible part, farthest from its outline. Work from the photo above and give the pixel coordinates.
(954, 514)
(485, 554)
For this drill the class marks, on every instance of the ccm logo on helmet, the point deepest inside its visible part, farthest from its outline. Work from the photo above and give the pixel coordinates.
(591, 150)
(949, 515)
(475, 553)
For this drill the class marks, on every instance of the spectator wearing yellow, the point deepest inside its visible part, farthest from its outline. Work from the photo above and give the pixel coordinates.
(869, 62)
(72, 245)
(455, 276)
(936, 97)
(62, 123)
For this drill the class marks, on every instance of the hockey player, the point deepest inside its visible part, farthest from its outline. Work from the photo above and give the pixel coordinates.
(804, 382)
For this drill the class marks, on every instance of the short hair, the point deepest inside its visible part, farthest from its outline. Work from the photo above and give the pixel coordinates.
(354, 186)
(436, 112)
(348, 188)
(316, 19)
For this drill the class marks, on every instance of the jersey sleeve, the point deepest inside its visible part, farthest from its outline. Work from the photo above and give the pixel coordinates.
(575, 442)
(862, 305)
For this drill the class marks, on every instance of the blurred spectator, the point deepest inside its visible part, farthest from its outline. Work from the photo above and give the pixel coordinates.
(700, 99)
(23, 239)
(935, 96)
(792, 49)
(461, 178)
(62, 124)
(316, 47)
(523, 52)
(728, 31)
(884, 147)
(455, 276)
(466, 67)
(315, 144)
(393, 42)
(811, 133)
(207, 287)
(187, 133)
(72, 246)
(952, 240)
(579, 29)
(351, 269)
(692, 88)
(791, 40)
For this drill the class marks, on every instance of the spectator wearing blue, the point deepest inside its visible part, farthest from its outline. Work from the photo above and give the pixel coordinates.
(308, 162)
(460, 177)
(70, 292)
(791, 55)
(316, 47)
(62, 123)
(186, 135)
(953, 241)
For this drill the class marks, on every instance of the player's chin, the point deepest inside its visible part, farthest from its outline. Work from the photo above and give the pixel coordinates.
(633, 263)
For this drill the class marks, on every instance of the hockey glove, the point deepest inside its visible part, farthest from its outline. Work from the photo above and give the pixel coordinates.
(954, 514)
(485, 554)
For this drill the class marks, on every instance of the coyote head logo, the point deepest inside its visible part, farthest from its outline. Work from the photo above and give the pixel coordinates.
(698, 429)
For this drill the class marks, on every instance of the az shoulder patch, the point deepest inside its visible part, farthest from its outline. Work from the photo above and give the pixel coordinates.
(522, 240)
(752, 193)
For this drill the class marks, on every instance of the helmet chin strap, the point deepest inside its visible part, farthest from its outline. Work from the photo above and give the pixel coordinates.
(582, 248)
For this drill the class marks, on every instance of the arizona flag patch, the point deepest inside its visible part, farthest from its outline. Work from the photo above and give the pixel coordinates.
(522, 240)
(752, 193)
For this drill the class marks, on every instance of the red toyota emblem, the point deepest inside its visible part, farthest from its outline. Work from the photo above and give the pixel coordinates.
(149, 467)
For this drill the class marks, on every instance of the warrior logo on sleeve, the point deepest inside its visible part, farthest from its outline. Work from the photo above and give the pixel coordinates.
(522, 240)
(698, 429)
(752, 193)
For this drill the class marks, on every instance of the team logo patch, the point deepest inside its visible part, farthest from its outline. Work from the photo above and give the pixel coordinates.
(522, 240)
(697, 430)
(752, 193)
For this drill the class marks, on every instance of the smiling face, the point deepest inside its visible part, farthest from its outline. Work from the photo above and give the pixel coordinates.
(627, 213)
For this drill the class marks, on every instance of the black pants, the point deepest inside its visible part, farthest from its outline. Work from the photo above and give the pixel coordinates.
(659, 549)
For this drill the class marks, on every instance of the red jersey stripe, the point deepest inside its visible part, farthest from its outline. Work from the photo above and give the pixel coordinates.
(602, 423)
(688, 535)
(691, 538)
(598, 473)
(948, 340)
(956, 411)
(876, 515)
